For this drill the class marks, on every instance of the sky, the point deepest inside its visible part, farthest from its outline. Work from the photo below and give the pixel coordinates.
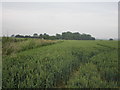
(99, 19)
(60, 0)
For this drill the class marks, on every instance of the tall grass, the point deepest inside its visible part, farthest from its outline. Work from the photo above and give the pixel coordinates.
(14, 45)
(0, 63)
(72, 63)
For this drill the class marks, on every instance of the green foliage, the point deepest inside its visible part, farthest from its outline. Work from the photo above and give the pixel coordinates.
(0, 63)
(87, 77)
(70, 64)
(107, 64)
(65, 35)
(100, 70)
(14, 45)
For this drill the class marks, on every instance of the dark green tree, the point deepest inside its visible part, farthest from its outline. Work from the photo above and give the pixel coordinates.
(35, 35)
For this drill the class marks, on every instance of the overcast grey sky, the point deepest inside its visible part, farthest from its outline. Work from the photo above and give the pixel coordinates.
(100, 19)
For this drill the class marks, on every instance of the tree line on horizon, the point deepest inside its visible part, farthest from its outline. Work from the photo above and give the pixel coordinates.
(64, 36)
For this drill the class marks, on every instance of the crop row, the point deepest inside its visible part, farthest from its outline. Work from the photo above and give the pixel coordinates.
(55, 65)
(100, 71)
